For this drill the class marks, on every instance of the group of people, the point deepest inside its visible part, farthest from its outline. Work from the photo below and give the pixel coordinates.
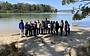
(44, 27)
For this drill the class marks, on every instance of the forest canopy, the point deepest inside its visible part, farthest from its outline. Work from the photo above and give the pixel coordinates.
(6, 7)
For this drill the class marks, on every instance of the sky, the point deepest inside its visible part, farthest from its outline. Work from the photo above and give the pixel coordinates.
(54, 3)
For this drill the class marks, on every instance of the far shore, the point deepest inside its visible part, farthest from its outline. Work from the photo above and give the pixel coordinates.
(36, 13)
(9, 34)
(30, 13)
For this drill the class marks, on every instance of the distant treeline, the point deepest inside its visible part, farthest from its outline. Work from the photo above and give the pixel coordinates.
(6, 7)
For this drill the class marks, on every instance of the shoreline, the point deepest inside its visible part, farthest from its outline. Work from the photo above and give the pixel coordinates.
(31, 13)
(12, 35)
(73, 28)
(52, 43)
(40, 13)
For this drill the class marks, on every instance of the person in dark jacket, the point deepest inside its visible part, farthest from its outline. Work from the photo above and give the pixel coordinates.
(61, 27)
(30, 29)
(52, 26)
(67, 28)
(42, 27)
(57, 27)
(35, 27)
(46, 25)
(26, 29)
(21, 27)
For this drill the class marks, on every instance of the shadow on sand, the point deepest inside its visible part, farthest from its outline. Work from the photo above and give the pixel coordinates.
(53, 45)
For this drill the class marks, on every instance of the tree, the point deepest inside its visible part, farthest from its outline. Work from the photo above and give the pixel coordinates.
(85, 10)
(68, 1)
(24, 8)
(5, 6)
(64, 2)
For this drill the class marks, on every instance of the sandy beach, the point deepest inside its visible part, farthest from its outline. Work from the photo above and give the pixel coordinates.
(48, 45)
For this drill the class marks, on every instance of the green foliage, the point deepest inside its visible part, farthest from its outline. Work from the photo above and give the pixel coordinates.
(76, 17)
(85, 12)
(68, 1)
(6, 7)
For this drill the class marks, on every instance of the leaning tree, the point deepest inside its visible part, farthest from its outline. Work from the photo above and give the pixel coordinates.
(83, 50)
(82, 8)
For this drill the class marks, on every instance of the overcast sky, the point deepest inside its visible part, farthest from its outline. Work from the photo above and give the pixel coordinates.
(54, 3)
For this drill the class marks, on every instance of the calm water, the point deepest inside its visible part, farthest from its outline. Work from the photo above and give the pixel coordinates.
(84, 23)
(9, 22)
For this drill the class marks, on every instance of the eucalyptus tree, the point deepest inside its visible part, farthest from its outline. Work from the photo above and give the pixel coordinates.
(81, 8)
(68, 1)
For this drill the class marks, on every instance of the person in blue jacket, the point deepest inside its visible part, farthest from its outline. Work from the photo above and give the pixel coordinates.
(21, 27)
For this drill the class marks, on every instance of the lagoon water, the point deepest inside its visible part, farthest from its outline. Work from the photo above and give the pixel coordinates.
(84, 23)
(9, 22)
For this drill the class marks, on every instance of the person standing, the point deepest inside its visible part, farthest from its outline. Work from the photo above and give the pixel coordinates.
(67, 28)
(61, 27)
(26, 29)
(35, 27)
(38, 27)
(30, 29)
(46, 25)
(52, 26)
(42, 27)
(21, 27)
(57, 27)
(49, 27)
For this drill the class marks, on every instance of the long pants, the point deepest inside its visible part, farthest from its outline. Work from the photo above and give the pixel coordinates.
(34, 31)
(61, 30)
(57, 31)
(69, 31)
(21, 32)
(38, 31)
(42, 30)
(26, 32)
(66, 32)
(54, 31)
(48, 30)
(51, 30)
(30, 32)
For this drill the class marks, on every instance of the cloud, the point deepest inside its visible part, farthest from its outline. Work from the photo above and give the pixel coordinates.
(21, 1)
(27, 1)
